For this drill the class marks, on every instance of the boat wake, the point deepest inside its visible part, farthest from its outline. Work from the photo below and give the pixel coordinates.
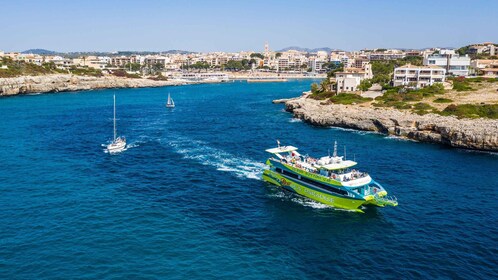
(223, 161)
(361, 132)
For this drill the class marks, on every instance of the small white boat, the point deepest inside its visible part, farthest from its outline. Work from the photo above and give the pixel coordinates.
(118, 143)
(170, 103)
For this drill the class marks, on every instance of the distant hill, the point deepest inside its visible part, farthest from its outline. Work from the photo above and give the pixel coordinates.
(306, 49)
(177, 52)
(40, 52)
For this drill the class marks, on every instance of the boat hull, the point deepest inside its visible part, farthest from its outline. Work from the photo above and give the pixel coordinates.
(114, 148)
(312, 193)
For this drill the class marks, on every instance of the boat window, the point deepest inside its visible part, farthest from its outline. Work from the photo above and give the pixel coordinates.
(290, 174)
(323, 186)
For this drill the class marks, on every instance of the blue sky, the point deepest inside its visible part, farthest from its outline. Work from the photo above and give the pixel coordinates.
(105, 25)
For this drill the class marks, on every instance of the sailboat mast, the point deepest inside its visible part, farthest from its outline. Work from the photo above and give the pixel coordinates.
(114, 117)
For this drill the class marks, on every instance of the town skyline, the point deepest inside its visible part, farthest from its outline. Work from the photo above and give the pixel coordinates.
(224, 26)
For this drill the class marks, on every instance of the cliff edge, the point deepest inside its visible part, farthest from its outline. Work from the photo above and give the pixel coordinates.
(67, 82)
(477, 134)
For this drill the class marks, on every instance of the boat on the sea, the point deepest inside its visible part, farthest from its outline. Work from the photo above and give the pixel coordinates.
(330, 179)
(170, 103)
(118, 143)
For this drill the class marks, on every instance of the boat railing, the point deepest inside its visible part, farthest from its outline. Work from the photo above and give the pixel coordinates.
(343, 177)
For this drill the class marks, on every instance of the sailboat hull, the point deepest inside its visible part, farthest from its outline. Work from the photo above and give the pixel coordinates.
(116, 147)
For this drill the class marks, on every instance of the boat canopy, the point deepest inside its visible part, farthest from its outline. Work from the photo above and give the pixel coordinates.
(282, 149)
(339, 165)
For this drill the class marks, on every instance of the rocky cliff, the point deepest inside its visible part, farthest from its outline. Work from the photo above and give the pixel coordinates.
(478, 134)
(56, 83)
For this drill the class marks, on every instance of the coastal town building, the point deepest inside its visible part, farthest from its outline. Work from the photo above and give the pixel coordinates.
(418, 76)
(386, 55)
(484, 67)
(484, 48)
(95, 62)
(349, 79)
(316, 65)
(453, 63)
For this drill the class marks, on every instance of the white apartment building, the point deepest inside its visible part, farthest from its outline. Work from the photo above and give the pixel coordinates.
(418, 76)
(453, 63)
(316, 65)
(386, 55)
(350, 78)
(61, 62)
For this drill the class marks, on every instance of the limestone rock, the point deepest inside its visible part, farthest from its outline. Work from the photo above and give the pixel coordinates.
(478, 134)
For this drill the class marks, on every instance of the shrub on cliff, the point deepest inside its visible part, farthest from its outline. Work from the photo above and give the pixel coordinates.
(472, 111)
(461, 84)
(349, 98)
(124, 74)
(423, 108)
(442, 100)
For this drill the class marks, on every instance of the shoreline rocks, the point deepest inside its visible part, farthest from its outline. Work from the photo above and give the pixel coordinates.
(477, 134)
(68, 82)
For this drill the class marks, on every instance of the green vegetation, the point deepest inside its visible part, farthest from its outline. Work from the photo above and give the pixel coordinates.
(258, 55)
(159, 77)
(461, 84)
(365, 85)
(85, 71)
(20, 68)
(235, 65)
(133, 66)
(442, 100)
(349, 98)
(124, 74)
(398, 97)
(394, 95)
(200, 65)
(472, 111)
(423, 108)
(383, 69)
(334, 68)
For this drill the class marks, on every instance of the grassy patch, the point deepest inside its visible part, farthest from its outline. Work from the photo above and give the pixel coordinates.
(442, 100)
(472, 111)
(461, 84)
(423, 108)
(396, 97)
(322, 95)
(349, 98)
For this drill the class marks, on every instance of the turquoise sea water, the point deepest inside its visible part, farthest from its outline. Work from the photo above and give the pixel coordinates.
(185, 201)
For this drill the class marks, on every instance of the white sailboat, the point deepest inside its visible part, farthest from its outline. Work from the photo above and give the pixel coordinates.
(170, 103)
(118, 143)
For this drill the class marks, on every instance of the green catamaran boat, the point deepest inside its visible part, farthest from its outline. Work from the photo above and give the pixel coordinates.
(329, 180)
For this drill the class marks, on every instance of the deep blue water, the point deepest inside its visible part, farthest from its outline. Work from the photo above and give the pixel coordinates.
(185, 200)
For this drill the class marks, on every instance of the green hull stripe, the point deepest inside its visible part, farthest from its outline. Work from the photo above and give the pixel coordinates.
(325, 198)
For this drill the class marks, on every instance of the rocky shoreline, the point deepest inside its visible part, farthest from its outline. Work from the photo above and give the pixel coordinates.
(477, 134)
(67, 82)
